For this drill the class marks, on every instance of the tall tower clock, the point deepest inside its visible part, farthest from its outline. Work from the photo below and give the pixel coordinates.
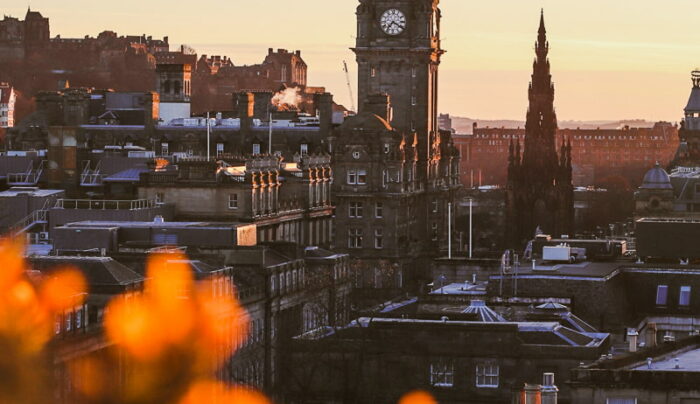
(398, 53)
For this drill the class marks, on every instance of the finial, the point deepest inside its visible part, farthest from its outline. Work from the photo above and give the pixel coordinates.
(695, 76)
(542, 30)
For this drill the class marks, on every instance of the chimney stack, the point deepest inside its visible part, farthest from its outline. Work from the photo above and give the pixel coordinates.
(531, 394)
(632, 336)
(324, 108)
(651, 335)
(549, 390)
(379, 104)
(246, 108)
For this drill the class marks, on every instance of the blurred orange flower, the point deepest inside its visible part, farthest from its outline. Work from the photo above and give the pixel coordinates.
(417, 397)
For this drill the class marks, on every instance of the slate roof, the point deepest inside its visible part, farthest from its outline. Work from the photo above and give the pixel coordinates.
(98, 271)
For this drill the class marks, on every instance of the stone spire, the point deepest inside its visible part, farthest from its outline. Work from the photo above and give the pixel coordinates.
(541, 123)
(539, 193)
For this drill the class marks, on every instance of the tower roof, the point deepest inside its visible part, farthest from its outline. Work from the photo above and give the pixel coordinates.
(694, 100)
(656, 178)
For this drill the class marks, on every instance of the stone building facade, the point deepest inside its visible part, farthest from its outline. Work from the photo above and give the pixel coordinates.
(394, 166)
(596, 154)
(287, 201)
(539, 192)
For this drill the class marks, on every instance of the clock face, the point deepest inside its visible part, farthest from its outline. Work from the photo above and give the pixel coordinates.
(393, 21)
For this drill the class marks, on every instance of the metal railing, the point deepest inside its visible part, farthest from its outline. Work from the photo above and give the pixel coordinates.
(29, 177)
(95, 204)
(90, 177)
(39, 216)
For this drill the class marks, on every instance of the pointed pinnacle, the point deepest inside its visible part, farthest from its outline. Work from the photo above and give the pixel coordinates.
(542, 29)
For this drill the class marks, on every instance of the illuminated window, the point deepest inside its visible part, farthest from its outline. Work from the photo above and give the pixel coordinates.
(373, 71)
(361, 177)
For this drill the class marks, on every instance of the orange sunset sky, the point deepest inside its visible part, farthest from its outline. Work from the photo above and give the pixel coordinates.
(610, 59)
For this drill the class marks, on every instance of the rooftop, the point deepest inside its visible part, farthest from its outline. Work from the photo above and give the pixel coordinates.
(676, 362)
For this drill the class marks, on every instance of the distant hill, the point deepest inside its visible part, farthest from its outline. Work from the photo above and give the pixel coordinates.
(464, 125)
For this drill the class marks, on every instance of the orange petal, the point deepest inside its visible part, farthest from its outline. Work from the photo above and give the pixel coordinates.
(417, 397)
(64, 289)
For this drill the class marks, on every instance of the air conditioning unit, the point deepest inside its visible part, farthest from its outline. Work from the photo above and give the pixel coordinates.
(43, 236)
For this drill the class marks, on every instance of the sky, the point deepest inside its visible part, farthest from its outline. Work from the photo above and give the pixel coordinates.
(610, 60)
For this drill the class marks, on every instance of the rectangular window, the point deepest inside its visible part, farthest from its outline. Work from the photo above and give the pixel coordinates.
(661, 295)
(378, 238)
(355, 238)
(435, 205)
(355, 209)
(164, 149)
(233, 201)
(413, 100)
(434, 228)
(304, 149)
(413, 71)
(219, 149)
(487, 374)
(256, 148)
(373, 71)
(379, 210)
(160, 197)
(621, 400)
(352, 177)
(79, 318)
(684, 297)
(69, 320)
(442, 373)
(361, 177)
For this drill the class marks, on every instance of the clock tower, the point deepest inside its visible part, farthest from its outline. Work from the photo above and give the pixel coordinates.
(398, 53)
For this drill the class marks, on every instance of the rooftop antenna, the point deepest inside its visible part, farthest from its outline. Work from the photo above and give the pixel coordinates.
(347, 78)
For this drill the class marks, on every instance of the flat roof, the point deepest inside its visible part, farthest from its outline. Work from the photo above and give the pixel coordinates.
(583, 270)
(686, 361)
(131, 224)
(14, 191)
